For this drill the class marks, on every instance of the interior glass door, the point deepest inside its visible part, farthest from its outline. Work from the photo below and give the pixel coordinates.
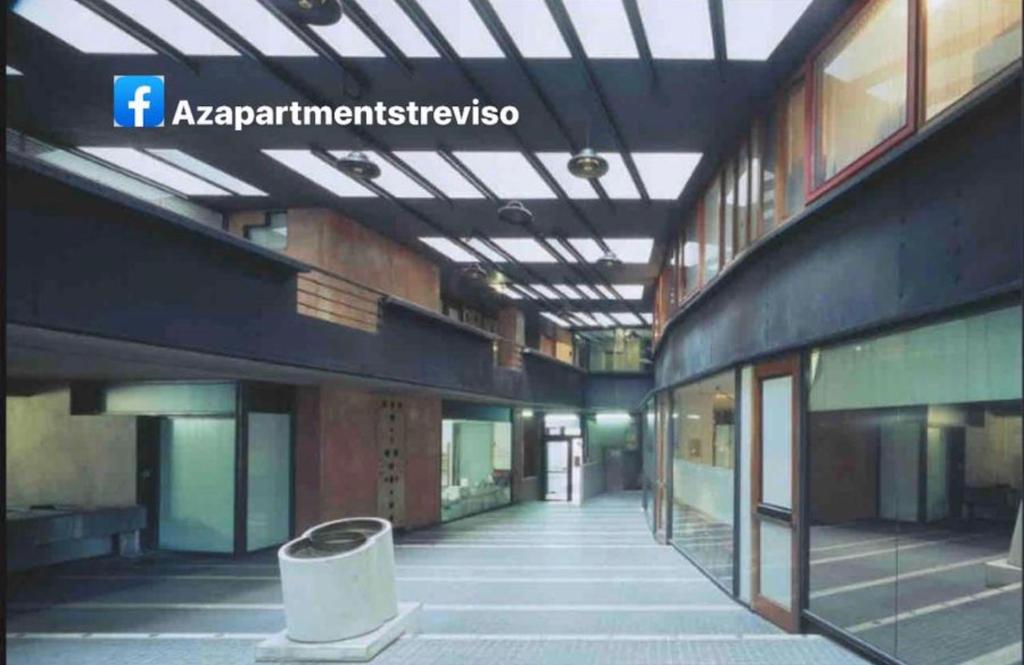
(557, 470)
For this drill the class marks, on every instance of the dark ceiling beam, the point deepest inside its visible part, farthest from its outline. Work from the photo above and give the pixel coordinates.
(467, 173)
(565, 26)
(508, 46)
(285, 77)
(377, 35)
(643, 47)
(718, 35)
(420, 18)
(139, 32)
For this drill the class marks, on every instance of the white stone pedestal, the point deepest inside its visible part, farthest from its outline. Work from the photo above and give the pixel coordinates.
(360, 649)
(1008, 571)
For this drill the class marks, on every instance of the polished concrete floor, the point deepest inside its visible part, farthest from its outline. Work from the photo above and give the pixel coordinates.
(532, 584)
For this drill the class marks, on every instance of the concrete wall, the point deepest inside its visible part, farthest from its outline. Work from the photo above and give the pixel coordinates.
(53, 457)
(336, 468)
(593, 479)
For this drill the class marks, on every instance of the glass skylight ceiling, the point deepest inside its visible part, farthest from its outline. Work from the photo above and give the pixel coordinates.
(753, 29)
(532, 28)
(347, 39)
(462, 27)
(666, 173)
(435, 169)
(507, 174)
(313, 168)
(391, 179)
(565, 292)
(203, 170)
(258, 26)
(174, 26)
(528, 250)
(601, 319)
(603, 28)
(449, 249)
(72, 23)
(399, 28)
(678, 29)
(630, 250)
(144, 165)
(11, 71)
(556, 164)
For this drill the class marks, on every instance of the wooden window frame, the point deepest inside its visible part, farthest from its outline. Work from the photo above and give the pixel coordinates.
(812, 192)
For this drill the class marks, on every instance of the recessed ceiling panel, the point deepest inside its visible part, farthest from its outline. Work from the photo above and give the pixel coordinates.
(666, 173)
(532, 28)
(434, 168)
(507, 174)
(315, 169)
(462, 27)
(174, 26)
(678, 29)
(140, 163)
(258, 26)
(630, 291)
(754, 28)
(603, 28)
(202, 169)
(83, 29)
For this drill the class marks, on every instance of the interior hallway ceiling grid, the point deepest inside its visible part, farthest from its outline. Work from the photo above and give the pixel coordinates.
(612, 91)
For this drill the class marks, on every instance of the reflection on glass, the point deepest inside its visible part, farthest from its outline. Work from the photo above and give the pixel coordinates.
(650, 475)
(756, 174)
(702, 473)
(691, 255)
(915, 488)
(617, 349)
(793, 196)
(729, 212)
(966, 42)
(476, 466)
(269, 480)
(742, 199)
(712, 204)
(769, 175)
(197, 484)
(861, 87)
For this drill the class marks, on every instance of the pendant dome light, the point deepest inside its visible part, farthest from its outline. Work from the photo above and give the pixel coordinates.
(358, 165)
(515, 213)
(475, 272)
(609, 260)
(588, 164)
(310, 12)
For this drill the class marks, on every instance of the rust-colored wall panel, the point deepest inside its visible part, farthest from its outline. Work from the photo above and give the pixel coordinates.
(422, 460)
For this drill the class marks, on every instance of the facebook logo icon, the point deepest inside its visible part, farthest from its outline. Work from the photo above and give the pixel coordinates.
(138, 101)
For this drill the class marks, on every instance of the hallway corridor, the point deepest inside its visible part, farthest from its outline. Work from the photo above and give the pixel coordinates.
(532, 584)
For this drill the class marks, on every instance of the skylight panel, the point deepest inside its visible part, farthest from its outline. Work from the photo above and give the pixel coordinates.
(532, 28)
(462, 27)
(753, 28)
(392, 179)
(630, 250)
(603, 28)
(482, 247)
(588, 292)
(174, 26)
(557, 321)
(507, 291)
(630, 291)
(617, 182)
(586, 318)
(566, 291)
(440, 173)
(140, 163)
(347, 39)
(606, 292)
(666, 173)
(545, 291)
(315, 169)
(260, 28)
(526, 250)
(557, 164)
(11, 71)
(202, 169)
(83, 29)
(604, 320)
(399, 28)
(448, 249)
(507, 174)
(627, 318)
(678, 29)
(647, 317)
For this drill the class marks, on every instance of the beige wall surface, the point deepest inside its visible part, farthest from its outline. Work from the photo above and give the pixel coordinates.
(53, 457)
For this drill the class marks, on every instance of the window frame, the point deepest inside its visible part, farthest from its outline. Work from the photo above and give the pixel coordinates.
(911, 113)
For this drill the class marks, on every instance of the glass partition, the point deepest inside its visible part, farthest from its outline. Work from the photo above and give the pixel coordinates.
(712, 219)
(649, 460)
(966, 43)
(476, 466)
(915, 489)
(616, 350)
(268, 479)
(703, 490)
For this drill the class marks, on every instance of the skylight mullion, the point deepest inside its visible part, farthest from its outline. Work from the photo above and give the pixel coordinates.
(147, 166)
(258, 26)
(398, 27)
(85, 30)
(172, 25)
(531, 27)
(462, 28)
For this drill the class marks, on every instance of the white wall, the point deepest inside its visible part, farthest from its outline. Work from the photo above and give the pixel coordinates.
(53, 457)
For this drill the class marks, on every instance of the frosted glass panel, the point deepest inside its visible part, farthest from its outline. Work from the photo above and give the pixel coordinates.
(777, 441)
(170, 398)
(269, 473)
(776, 562)
(197, 484)
(476, 463)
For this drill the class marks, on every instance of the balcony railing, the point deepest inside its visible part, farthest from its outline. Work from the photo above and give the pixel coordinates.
(331, 297)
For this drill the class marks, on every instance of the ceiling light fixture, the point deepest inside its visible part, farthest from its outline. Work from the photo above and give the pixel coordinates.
(311, 12)
(515, 213)
(588, 164)
(358, 165)
(475, 272)
(609, 260)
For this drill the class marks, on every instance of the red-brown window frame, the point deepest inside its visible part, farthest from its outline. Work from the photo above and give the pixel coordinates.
(811, 98)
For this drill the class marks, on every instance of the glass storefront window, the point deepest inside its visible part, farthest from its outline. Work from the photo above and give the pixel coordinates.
(649, 461)
(476, 466)
(792, 183)
(269, 473)
(756, 175)
(769, 171)
(915, 442)
(966, 43)
(860, 87)
(729, 213)
(691, 256)
(742, 199)
(617, 350)
(703, 459)
(712, 205)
